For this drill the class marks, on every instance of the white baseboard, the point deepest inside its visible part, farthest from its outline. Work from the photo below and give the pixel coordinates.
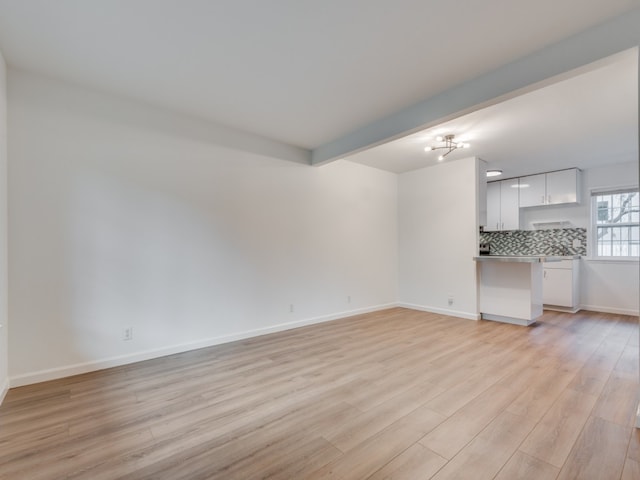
(3, 390)
(85, 367)
(618, 311)
(441, 311)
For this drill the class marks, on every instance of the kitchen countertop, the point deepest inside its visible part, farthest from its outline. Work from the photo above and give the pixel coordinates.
(524, 258)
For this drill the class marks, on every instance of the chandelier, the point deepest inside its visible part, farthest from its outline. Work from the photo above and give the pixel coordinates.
(449, 145)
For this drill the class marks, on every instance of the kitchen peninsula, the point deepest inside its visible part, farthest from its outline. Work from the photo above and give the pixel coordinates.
(511, 287)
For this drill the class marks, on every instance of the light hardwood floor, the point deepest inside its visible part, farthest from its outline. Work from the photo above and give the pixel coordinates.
(397, 394)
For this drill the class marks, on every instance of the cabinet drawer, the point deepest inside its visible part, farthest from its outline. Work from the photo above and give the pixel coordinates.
(562, 264)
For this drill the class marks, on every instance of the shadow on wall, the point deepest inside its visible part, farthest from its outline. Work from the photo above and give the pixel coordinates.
(151, 262)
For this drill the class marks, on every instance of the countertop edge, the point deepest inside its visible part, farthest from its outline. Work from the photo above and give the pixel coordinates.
(524, 258)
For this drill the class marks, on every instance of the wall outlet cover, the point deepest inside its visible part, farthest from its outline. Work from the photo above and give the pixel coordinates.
(127, 334)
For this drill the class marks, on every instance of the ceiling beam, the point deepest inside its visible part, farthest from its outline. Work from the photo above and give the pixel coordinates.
(528, 73)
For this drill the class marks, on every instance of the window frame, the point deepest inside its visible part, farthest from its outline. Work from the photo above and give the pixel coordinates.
(594, 226)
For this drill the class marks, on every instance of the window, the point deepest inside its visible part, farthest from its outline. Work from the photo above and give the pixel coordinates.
(616, 228)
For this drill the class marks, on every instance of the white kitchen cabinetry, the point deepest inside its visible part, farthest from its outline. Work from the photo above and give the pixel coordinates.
(509, 204)
(533, 190)
(560, 285)
(551, 188)
(493, 207)
(503, 209)
(510, 288)
(562, 187)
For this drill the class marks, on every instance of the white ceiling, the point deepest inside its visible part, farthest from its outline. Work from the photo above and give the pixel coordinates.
(588, 120)
(301, 72)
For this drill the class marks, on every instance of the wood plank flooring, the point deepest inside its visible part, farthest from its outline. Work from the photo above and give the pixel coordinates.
(397, 394)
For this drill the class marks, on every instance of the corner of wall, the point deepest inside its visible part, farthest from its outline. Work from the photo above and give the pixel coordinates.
(4, 341)
(437, 271)
(4, 389)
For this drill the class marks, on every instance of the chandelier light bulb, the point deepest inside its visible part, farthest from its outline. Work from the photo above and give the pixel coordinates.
(440, 158)
(428, 149)
(439, 138)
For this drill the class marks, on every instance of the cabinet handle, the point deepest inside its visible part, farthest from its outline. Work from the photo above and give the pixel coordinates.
(545, 274)
(542, 199)
(549, 199)
(502, 225)
(497, 225)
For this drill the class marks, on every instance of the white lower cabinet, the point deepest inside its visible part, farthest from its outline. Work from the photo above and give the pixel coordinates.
(560, 285)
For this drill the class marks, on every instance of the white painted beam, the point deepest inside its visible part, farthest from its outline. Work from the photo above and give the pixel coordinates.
(532, 71)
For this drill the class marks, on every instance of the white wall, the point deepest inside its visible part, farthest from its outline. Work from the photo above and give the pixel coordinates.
(606, 285)
(120, 217)
(438, 238)
(4, 346)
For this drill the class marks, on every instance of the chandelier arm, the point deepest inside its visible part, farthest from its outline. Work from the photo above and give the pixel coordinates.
(449, 145)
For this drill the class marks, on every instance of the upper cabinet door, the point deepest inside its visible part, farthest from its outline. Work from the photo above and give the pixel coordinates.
(493, 207)
(562, 187)
(509, 205)
(533, 190)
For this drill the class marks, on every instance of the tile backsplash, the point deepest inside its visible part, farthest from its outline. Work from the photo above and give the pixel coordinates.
(558, 241)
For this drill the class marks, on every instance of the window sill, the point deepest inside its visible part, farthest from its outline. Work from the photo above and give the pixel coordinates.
(629, 260)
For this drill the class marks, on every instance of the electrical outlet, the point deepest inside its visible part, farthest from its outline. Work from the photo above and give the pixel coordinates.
(577, 243)
(291, 308)
(349, 299)
(127, 334)
(450, 300)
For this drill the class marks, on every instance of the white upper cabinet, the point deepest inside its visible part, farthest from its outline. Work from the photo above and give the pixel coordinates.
(493, 207)
(506, 197)
(509, 205)
(551, 188)
(503, 211)
(562, 187)
(533, 190)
